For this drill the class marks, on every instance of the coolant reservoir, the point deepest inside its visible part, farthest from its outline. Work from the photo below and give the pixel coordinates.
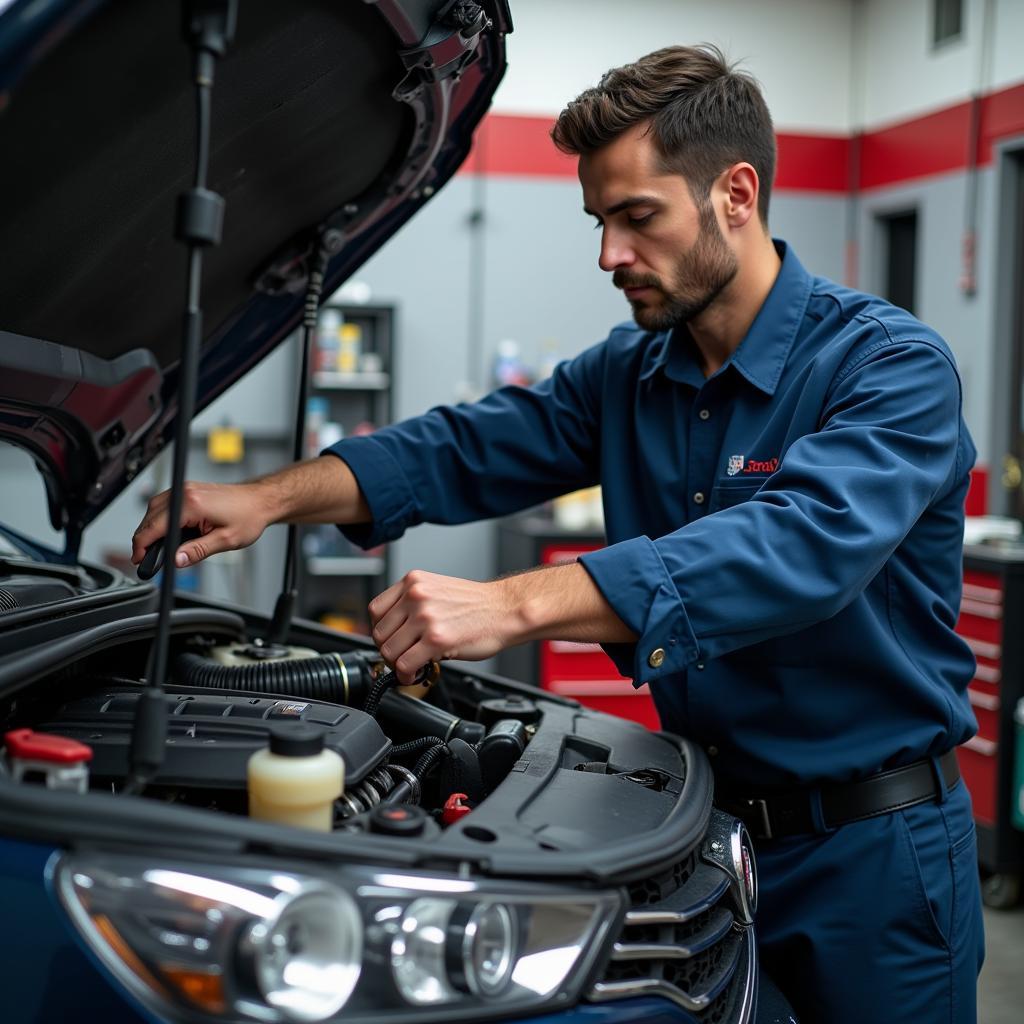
(296, 780)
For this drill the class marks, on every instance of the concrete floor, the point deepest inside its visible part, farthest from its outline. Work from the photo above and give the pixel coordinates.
(1001, 986)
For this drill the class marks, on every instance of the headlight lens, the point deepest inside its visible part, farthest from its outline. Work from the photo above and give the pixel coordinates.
(280, 946)
(489, 946)
(306, 963)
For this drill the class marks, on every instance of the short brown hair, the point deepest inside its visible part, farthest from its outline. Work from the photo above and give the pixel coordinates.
(704, 116)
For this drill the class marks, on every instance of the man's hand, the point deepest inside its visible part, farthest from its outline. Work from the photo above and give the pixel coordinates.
(228, 515)
(425, 617)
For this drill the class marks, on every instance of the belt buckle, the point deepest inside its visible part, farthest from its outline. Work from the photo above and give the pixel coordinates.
(760, 807)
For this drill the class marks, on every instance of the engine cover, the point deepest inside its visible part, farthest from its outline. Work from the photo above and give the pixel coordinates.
(211, 734)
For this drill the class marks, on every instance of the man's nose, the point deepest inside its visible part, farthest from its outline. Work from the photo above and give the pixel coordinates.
(615, 252)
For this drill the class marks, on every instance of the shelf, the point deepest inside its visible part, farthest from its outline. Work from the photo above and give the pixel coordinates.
(327, 380)
(355, 565)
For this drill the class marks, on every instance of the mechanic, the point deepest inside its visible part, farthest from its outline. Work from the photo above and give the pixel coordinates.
(784, 467)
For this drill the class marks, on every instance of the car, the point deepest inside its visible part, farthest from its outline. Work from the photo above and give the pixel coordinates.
(497, 851)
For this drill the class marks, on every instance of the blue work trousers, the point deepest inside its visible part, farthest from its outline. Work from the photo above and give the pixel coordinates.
(878, 921)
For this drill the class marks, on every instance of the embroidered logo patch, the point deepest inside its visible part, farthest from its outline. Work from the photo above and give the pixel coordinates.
(761, 466)
(741, 464)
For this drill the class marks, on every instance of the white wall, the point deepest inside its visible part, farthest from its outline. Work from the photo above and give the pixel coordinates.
(829, 66)
(899, 75)
(797, 49)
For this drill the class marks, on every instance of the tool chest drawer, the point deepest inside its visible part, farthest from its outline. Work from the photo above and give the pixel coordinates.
(990, 621)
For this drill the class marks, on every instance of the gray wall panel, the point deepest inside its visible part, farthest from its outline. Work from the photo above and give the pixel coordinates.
(814, 224)
(965, 321)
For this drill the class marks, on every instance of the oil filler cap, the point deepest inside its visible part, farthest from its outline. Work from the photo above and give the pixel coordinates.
(398, 820)
(296, 739)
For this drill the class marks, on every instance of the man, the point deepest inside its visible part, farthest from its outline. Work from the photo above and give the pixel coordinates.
(784, 466)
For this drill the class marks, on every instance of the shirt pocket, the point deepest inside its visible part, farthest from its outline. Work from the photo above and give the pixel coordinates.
(728, 493)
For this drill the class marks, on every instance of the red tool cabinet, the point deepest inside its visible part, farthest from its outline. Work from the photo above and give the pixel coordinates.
(992, 623)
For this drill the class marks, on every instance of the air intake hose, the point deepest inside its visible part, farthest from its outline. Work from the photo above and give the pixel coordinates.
(337, 678)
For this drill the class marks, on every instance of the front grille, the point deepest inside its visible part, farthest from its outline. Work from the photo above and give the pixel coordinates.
(682, 940)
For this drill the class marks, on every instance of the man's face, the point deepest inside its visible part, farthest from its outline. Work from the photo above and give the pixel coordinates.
(665, 251)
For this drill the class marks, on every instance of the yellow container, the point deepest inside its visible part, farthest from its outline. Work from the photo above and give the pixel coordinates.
(295, 780)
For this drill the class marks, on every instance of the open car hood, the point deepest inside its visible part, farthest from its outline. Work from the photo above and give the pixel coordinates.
(337, 114)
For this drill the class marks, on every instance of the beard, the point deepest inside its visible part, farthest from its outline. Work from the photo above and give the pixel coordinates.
(699, 277)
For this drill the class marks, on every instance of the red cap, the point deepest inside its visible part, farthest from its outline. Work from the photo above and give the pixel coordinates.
(455, 807)
(44, 746)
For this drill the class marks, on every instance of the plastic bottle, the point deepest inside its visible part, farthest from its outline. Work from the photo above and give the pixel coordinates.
(295, 780)
(328, 342)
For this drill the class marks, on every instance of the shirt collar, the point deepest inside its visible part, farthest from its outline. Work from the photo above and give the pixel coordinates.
(762, 354)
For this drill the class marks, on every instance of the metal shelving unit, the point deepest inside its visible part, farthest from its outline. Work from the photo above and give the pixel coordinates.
(351, 387)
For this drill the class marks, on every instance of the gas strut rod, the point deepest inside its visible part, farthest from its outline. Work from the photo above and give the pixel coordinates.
(328, 244)
(209, 26)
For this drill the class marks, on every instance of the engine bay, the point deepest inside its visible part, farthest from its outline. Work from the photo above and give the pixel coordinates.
(399, 745)
(463, 765)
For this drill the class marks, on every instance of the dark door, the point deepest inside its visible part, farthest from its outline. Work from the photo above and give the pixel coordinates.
(1012, 475)
(900, 241)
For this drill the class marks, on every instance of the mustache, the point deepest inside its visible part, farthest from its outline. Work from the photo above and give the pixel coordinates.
(623, 280)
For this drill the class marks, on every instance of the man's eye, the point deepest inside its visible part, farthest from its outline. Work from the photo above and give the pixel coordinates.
(637, 221)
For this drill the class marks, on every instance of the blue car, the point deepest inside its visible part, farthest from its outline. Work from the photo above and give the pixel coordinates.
(497, 851)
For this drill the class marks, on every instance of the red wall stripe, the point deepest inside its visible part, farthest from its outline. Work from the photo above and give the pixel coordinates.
(817, 163)
(1002, 115)
(934, 143)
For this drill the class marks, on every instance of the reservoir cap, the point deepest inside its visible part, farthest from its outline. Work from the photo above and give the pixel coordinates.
(296, 739)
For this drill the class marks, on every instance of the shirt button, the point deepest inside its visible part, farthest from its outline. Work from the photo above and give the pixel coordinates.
(700, 666)
(712, 751)
(704, 414)
(699, 498)
(657, 657)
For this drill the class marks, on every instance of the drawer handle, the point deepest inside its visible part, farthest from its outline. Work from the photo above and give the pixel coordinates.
(983, 700)
(987, 674)
(982, 611)
(595, 688)
(982, 649)
(981, 746)
(573, 647)
(976, 592)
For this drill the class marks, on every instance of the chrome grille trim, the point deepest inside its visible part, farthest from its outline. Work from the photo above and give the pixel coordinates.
(714, 886)
(715, 930)
(604, 991)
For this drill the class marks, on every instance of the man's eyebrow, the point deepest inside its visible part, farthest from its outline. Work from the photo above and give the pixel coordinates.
(624, 204)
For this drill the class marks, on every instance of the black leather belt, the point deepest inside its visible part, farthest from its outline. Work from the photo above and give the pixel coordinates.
(794, 813)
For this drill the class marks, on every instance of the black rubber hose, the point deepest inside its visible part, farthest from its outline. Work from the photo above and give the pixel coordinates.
(428, 761)
(377, 691)
(338, 678)
(413, 747)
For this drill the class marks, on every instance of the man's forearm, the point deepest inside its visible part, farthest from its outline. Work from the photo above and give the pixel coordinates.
(321, 490)
(562, 602)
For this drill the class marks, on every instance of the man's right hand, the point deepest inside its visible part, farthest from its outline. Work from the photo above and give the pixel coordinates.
(229, 516)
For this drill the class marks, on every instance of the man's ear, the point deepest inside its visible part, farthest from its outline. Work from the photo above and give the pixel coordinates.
(741, 187)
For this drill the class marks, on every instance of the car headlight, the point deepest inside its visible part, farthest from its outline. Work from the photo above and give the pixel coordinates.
(280, 945)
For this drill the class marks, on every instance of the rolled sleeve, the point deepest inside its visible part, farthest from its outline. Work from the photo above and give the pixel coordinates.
(385, 487)
(634, 580)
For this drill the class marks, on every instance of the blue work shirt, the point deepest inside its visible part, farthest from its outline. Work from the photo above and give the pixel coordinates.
(784, 535)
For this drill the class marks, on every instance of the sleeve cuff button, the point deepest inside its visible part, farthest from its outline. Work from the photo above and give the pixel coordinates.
(657, 657)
